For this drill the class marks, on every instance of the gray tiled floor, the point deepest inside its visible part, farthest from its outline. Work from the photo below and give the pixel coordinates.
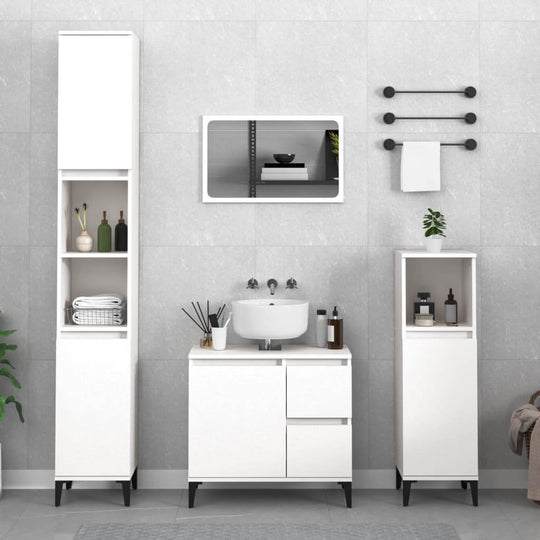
(505, 515)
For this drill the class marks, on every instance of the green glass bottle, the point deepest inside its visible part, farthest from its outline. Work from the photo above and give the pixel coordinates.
(104, 235)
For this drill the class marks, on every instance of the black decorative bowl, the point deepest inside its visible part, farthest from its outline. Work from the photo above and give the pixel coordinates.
(284, 158)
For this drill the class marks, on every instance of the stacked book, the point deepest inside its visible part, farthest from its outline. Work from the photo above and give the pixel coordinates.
(280, 171)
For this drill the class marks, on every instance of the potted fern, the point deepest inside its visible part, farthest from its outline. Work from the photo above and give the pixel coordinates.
(5, 371)
(434, 226)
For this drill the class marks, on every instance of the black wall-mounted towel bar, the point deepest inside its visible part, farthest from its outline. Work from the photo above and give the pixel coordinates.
(390, 92)
(390, 118)
(469, 144)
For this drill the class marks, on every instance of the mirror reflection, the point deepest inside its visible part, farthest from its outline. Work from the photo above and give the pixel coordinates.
(269, 159)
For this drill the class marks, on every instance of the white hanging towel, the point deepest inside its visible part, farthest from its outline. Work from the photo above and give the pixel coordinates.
(421, 166)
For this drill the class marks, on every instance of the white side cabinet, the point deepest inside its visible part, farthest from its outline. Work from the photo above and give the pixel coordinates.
(270, 416)
(436, 372)
(98, 155)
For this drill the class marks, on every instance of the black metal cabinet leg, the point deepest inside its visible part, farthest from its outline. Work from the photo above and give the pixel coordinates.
(406, 492)
(69, 484)
(192, 486)
(463, 484)
(134, 479)
(398, 479)
(474, 492)
(58, 492)
(347, 487)
(126, 485)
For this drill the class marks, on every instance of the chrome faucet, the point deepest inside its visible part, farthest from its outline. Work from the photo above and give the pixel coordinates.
(291, 283)
(272, 285)
(252, 284)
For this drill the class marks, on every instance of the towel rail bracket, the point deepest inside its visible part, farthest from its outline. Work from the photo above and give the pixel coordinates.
(469, 144)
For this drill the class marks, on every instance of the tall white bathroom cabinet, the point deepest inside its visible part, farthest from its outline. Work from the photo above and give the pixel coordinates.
(98, 164)
(436, 372)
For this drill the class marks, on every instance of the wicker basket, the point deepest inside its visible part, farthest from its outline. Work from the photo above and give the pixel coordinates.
(528, 433)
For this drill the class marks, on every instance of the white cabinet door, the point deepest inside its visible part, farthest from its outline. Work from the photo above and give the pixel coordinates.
(96, 75)
(323, 451)
(93, 407)
(319, 392)
(440, 416)
(236, 421)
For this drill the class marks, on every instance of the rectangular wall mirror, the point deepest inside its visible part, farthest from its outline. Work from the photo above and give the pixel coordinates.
(272, 159)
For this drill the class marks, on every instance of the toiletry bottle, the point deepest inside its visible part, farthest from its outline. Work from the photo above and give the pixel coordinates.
(423, 307)
(450, 310)
(321, 334)
(120, 234)
(104, 235)
(335, 331)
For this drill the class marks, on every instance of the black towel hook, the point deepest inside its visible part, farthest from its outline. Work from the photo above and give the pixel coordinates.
(390, 118)
(390, 92)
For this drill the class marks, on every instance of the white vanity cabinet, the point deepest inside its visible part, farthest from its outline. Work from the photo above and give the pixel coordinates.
(270, 416)
(436, 372)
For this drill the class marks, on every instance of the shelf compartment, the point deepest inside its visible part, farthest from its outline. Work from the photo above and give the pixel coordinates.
(110, 196)
(88, 328)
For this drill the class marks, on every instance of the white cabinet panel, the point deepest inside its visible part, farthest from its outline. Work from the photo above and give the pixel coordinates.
(93, 407)
(97, 89)
(237, 421)
(319, 391)
(440, 407)
(319, 451)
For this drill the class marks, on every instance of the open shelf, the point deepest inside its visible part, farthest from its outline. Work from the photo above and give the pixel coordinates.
(92, 328)
(296, 182)
(91, 175)
(94, 255)
(439, 328)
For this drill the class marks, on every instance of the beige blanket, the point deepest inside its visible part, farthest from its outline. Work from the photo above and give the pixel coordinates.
(522, 419)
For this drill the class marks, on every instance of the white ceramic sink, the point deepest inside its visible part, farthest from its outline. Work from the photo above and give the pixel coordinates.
(270, 319)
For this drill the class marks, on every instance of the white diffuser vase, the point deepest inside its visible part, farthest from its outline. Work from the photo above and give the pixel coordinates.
(84, 242)
(433, 243)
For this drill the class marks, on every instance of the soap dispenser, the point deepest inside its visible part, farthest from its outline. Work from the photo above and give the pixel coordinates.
(120, 234)
(104, 235)
(335, 331)
(450, 310)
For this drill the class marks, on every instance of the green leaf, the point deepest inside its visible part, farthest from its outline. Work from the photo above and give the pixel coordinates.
(5, 333)
(11, 347)
(6, 362)
(4, 372)
(18, 406)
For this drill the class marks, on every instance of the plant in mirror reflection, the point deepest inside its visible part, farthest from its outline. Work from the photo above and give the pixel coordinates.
(334, 140)
(434, 223)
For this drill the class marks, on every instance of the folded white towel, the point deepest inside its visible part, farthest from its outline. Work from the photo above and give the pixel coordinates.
(112, 317)
(99, 301)
(421, 166)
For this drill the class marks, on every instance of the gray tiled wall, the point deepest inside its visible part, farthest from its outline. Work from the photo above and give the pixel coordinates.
(281, 57)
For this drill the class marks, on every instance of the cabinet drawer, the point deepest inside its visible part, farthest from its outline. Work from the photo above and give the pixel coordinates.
(319, 391)
(319, 451)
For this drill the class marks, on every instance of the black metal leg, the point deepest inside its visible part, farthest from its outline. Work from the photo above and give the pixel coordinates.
(463, 484)
(134, 479)
(192, 486)
(127, 492)
(406, 492)
(58, 492)
(347, 486)
(474, 492)
(69, 483)
(398, 479)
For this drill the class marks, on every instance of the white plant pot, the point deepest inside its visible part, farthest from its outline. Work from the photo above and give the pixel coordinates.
(84, 242)
(433, 244)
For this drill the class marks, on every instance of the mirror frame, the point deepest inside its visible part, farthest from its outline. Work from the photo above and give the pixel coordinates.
(206, 198)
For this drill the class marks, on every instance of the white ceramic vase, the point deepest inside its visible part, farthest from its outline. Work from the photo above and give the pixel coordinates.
(84, 242)
(433, 244)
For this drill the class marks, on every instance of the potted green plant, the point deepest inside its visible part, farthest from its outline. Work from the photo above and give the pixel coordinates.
(334, 141)
(434, 226)
(5, 371)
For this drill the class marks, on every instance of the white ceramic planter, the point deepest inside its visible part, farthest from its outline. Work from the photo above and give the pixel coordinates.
(84, 242)
(433, 244)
